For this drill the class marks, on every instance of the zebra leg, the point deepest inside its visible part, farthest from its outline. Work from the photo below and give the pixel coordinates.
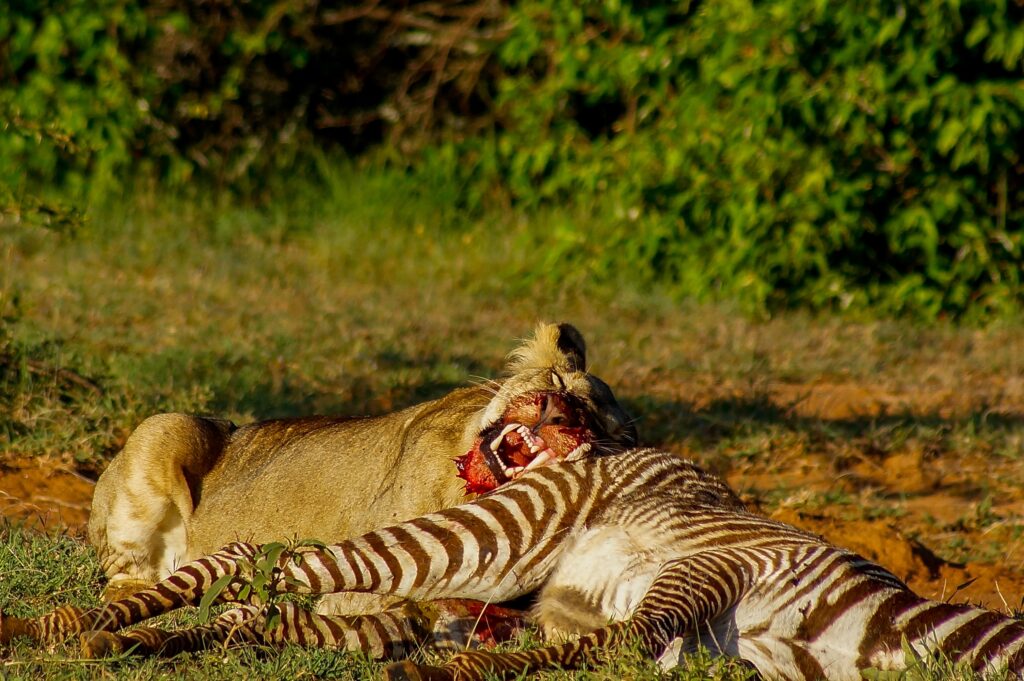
(683, 595)
(152, 641)
(185, 586)
(965, 634)
(393, 633)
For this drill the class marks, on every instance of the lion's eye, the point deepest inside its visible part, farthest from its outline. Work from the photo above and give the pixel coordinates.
(557, 380)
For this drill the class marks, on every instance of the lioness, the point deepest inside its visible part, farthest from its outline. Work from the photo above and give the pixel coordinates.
(185, 485)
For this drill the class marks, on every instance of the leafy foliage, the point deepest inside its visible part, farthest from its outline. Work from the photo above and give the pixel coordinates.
(223, 89)
(69, 94)
(261, 580)
(781, 153)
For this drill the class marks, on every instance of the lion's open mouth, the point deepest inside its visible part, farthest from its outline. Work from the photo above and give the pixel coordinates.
(518, 449)
(536, 430)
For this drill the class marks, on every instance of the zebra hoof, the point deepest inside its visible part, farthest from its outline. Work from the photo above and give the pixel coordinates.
(122, 588)
(406, 670)
(11, 628)
(402, 671)
(98, 644)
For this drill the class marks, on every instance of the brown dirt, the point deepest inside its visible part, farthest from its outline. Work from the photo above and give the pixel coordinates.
(993, 586)
(45, 494)
(901, 508)
(913, 508)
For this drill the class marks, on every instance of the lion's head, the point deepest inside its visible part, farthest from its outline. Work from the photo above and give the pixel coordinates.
(548, 409)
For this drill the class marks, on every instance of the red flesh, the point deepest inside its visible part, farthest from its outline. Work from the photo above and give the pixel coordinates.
(493, 624)
(473, 469)
(561, 438)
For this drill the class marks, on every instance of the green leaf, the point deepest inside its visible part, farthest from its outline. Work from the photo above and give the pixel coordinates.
(269, 555)
(211, 595)
(949, 135)
(245, 592)
(978, 32)
(272, 617)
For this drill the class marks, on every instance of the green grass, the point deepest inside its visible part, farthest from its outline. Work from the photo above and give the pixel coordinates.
(37, 570)
(360, 294)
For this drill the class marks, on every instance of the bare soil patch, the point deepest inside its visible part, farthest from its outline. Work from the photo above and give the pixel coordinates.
(45, 494)
(950, 522)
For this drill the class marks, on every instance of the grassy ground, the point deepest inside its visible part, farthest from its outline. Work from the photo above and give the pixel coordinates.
(359, 295)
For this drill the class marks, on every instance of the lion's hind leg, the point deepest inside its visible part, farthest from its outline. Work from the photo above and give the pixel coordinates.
(145, 498)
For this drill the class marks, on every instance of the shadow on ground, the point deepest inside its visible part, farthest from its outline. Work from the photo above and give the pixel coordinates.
(399, 381)
(706, 425)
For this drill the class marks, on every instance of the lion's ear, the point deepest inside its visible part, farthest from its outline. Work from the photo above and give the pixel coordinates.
(553, 346)
(570, 342)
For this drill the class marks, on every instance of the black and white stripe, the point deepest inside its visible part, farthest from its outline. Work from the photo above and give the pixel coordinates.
(643, 537)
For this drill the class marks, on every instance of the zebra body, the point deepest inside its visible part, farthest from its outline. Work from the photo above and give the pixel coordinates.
(644, 539)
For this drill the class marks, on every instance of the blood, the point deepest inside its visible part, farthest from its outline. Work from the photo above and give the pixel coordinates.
(474, 470)
(492, 624)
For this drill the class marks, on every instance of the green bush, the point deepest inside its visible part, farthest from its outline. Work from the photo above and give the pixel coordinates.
(779, 153)
(93, 92)
(782, 153)
(66, 98)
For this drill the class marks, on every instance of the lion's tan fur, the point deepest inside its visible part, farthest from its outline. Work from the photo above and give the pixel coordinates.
(551, 347)
(184, 485)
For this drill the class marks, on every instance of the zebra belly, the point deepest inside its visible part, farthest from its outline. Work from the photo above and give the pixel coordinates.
(782, 645)
(601, 576)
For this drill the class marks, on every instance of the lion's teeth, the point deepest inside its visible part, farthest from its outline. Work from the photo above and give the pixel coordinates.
(496, 442)
(533, 442)
(514, 472)
(540, 459)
